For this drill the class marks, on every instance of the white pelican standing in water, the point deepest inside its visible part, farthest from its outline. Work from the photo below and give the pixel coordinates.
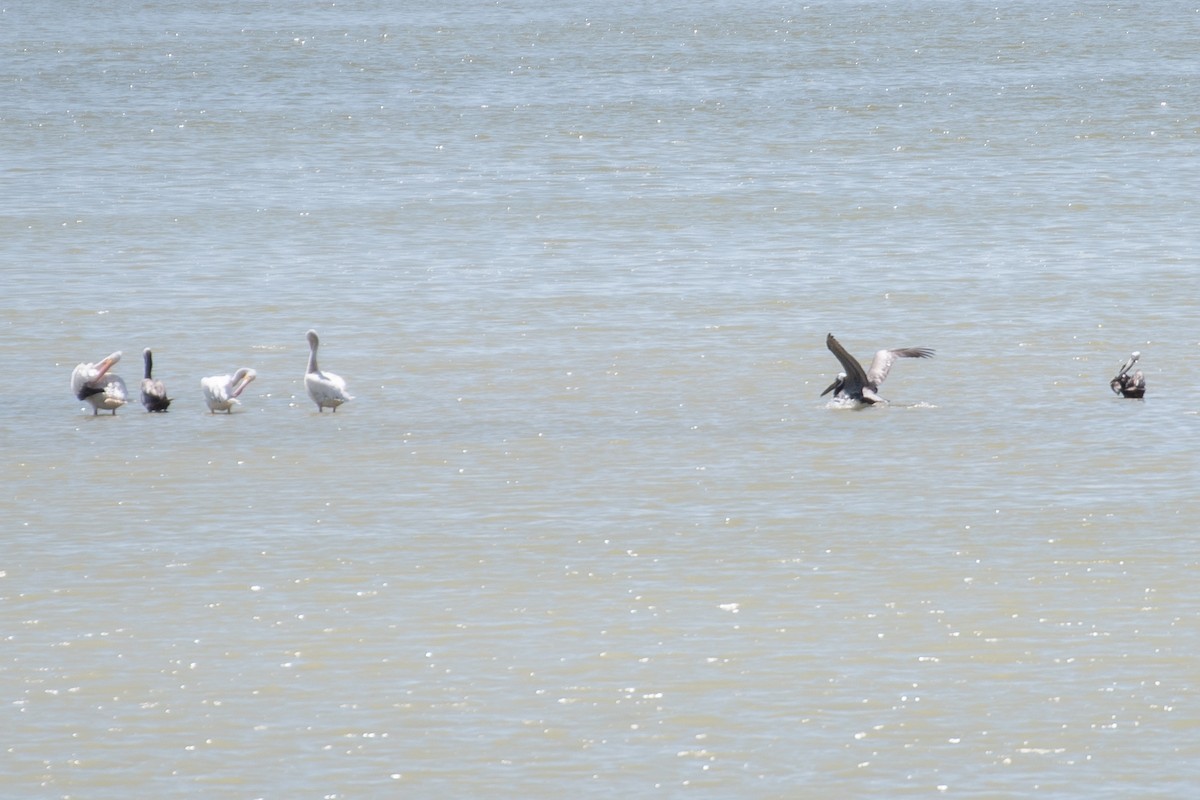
(154, 393)
(1128, 385)
(326, 389)
(856, 384)
(221, 391)
(94, 383)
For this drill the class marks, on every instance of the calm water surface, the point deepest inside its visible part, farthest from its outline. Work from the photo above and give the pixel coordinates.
(587, 528)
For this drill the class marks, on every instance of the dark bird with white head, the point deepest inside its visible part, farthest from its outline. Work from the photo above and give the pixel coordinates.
(855, 383)
(154, 393)
(1127, 385)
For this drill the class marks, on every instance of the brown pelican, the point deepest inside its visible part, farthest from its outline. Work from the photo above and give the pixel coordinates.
(326, 389)
(221, 391)
(94, 383)
(1128, 385)
(854, 383)
(154, 393)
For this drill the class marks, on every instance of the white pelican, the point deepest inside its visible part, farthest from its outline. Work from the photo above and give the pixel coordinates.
(326, 389)
(854, 383)
(93, 383)
(1128, 385)
(221, 391)
(154, 393)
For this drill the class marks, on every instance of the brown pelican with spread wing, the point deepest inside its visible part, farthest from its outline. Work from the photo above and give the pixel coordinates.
(855, 383)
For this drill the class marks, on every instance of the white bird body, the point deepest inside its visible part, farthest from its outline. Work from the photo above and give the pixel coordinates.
(95, 384)
(221, 391)
(860, 385)
(326, 389)
(154, 393)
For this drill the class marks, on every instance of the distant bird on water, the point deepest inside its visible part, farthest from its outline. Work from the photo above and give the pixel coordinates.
(856, 384)
(154, 393)
(326, 389)
(221, 391)
(95, 384)
(1128, 385)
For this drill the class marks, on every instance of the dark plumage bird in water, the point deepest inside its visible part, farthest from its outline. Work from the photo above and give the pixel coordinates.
(154, 393)
(855, 383)
(1128, 385)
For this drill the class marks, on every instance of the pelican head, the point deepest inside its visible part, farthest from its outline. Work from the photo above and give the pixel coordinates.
(241, 379)
(836, 386)
(108, 363)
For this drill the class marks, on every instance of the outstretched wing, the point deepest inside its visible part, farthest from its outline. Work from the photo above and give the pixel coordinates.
(856, 379)
(882, 363)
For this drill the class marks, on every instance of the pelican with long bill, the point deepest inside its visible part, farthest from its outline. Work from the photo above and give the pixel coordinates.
(855, 383)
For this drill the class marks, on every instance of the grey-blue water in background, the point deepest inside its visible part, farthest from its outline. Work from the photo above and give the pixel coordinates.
(587, 529)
